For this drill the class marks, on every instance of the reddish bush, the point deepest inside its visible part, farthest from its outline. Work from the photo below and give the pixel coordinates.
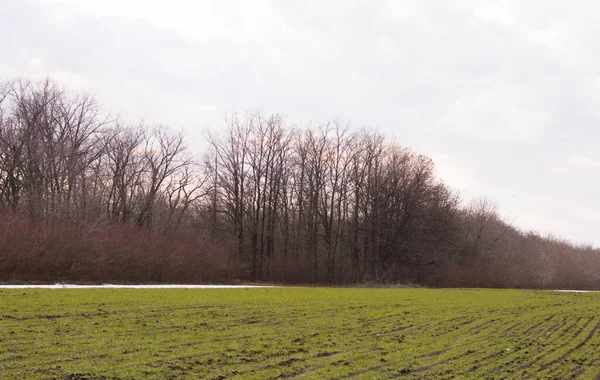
(50, 252)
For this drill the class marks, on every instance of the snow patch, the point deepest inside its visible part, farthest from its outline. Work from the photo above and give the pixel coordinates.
(578, 291)
(113, 286)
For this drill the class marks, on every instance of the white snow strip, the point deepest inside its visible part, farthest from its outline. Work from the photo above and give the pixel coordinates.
(111, 286)
(578, 291)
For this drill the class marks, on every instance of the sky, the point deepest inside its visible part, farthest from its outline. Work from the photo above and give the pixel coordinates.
(504, 96)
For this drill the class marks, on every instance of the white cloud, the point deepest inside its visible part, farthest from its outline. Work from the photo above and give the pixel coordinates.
(550, 215)
(61, 17)
(35, 63)
(202, 20)
(495, 12)
(583, 161)
(452, 171)
(496, 111)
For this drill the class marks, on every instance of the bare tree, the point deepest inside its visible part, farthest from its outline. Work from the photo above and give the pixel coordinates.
(163, 156)
(227, 160)
(184, 189)
(126, 167)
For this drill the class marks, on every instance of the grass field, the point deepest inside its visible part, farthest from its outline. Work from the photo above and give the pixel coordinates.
(298, 333)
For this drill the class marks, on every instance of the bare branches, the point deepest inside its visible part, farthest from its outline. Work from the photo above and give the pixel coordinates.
(325, 203)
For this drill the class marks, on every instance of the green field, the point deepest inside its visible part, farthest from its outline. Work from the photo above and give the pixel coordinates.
(298, 333)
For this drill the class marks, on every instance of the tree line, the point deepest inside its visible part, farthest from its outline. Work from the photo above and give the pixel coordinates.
(266, 201)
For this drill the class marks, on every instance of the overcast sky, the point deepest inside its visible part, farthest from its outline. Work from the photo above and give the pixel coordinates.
(503, 95)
